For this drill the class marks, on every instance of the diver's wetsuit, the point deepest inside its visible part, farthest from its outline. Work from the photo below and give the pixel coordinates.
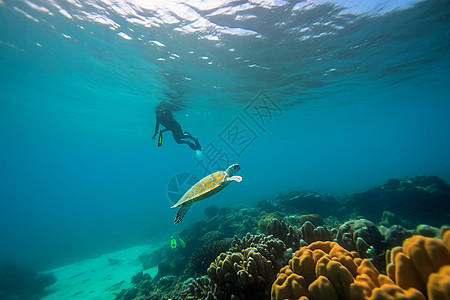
(166, 119)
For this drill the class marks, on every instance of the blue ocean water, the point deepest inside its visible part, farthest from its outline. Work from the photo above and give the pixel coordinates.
(329, 96)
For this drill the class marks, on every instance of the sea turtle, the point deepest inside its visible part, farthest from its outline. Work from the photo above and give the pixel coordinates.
(206, 187)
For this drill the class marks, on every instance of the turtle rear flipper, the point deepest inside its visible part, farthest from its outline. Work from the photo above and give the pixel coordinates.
(182, 211)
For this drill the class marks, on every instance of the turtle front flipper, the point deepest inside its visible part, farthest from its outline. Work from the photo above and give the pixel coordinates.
(182, 211)
(235, 178)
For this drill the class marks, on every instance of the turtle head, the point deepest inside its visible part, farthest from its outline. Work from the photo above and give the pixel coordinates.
(233, 169)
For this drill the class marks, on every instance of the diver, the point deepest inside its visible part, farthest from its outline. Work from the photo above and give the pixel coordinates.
(166, 119)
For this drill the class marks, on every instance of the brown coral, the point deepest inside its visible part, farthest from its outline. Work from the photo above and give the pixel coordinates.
(288, 234)
(270, 247)
(363, 237)
(309, 233)
(201, 288)
(265, 220)
(316, 219)
(243, 274)
(350, 231)
(202, 257)
(294, 238)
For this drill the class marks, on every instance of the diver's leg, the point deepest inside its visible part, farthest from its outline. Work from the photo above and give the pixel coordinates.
(180, 137)
(177, 132)
(190, 136)
(187, 135)
(181, 141)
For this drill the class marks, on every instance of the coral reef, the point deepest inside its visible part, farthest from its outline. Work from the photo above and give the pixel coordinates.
(202, 288)
(270, 247)
(307, 203)
(266, 205)
(332, 222)
(240, 222)
(202, 257)
(294, 238)
(352, 230)
(243, 275)
(395, 235)
(140, 277)
(363, 237)
(167, 260)
(23, 283)
(309, 233)
(265, 220)
(205, 239)
(211, 211)
(249, 240)
(288, 234)
(410, 266)
(324, 270)
(347, 261)
(438, 285)
(423, 199)
(427, 230)
(211, 236)
(315, 219)
(389, 219)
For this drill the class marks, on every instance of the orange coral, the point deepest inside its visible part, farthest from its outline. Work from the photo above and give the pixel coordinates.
(411, 265)
(325, 270)
(394, 292)
(438, 286)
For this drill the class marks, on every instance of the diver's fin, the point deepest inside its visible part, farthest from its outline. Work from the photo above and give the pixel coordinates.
(160, 140)
(197, 144)
(182, 211)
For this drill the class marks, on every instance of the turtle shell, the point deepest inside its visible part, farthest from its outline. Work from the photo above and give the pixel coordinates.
(206, 187)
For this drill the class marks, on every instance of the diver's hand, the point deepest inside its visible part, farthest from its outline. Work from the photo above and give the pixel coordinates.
(154, 136)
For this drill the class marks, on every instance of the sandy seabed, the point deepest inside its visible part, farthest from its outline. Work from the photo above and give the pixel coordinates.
(100, 277)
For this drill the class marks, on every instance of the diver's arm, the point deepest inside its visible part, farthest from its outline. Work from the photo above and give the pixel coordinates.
(156, 129)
